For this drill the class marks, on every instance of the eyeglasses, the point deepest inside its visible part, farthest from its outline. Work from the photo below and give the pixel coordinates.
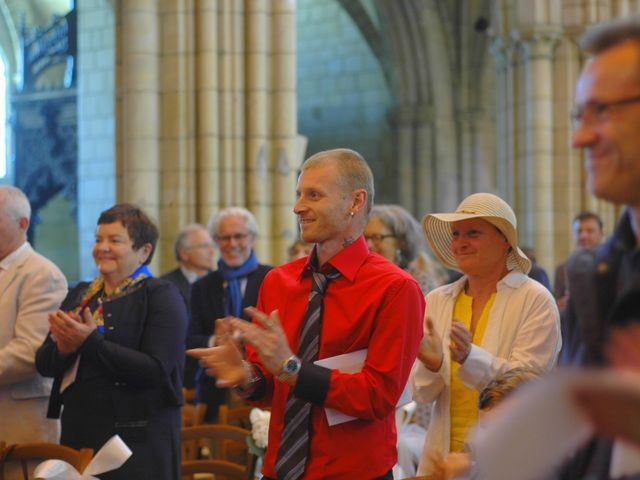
(238, 237)
(377, 238)
(200, 245)
(595, 112)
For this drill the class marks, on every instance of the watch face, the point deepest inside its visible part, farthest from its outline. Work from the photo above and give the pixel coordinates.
(291, 366)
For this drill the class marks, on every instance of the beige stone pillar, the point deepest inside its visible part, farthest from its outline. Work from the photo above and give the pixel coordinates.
(207, 161)
(503, 152)
(284, 151)
(206, 114)
(426, 168)
(138, 160)
(402, 121)
(177, 122)
(538, 50)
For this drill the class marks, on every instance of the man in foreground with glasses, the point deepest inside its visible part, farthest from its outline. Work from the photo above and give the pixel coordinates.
(607, 128)
(225, 292)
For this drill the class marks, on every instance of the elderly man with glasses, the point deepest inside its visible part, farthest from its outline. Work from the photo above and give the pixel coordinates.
(224, 292)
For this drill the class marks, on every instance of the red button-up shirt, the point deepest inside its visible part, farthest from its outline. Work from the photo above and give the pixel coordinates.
(373, 305)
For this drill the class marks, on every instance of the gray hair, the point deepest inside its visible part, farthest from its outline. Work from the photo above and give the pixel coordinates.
(610, 33)
(354, 172)
(182, 238)
(246, 215)
(407, 230)
(16, 203)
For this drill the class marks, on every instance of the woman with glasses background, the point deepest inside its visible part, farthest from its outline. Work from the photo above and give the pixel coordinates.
(396, 235)
(393, 233)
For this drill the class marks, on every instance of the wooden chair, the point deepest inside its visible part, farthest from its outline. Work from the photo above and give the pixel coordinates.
(193, 414)
(26, 452)
(238, 416)
(217, 435)
(220, 468)
(189, 394)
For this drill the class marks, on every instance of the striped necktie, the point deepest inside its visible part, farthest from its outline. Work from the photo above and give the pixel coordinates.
(294, 442)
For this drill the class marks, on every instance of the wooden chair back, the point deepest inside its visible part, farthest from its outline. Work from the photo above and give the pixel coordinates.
(193, 414)
(238, 416)
(217, 435)
(25, 452)
(220, 468)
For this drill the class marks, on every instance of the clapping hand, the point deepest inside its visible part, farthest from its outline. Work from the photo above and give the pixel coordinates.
(460, 342)
(70, 330)
(267, 337)
(430, 349)
(224, 361)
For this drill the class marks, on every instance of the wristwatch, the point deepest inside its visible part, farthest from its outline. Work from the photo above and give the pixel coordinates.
(290, 367)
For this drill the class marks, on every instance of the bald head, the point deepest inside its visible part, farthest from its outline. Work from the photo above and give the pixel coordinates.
(15, 213)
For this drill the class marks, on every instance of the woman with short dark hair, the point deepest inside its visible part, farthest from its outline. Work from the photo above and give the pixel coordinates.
(116, 351)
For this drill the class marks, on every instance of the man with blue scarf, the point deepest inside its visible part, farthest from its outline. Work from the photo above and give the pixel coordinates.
(226, 291)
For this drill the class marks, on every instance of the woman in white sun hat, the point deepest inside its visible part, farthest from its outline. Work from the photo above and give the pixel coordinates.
(491, 320)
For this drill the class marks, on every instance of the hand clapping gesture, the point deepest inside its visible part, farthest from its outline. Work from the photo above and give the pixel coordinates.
(224, 361)
(460, 342)
(430, 349)
(70, 330)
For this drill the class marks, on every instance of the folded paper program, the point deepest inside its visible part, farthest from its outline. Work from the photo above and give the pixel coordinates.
(112, 455)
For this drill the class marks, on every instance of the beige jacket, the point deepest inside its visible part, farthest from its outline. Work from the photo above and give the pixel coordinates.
(30, 288)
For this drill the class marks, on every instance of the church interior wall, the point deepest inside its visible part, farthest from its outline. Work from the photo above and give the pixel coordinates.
(343, 98)
(438, 107)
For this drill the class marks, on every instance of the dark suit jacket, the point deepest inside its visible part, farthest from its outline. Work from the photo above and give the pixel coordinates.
(207, 305)
(129, 379)
(179, 280)
(598, 282)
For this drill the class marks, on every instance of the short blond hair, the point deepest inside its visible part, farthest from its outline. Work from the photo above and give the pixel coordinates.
(354, 172)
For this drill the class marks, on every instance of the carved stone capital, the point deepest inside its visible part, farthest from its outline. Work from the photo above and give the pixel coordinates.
(537, 44)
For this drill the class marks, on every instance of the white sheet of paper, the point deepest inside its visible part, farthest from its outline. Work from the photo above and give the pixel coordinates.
(625, 460)
(352, 362)
(111, 456)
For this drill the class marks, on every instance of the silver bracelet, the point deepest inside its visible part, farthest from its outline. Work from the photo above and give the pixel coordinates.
(248, 387)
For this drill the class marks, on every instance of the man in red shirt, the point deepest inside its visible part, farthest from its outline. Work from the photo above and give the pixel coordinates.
(372, 305)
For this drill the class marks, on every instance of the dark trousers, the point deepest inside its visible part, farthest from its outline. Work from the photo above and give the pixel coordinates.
(386, 476)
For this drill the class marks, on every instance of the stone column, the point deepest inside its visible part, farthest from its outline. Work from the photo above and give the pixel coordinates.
(177, 123)
(504, 52)
(285, 157)
(207, 162)
(138, 162)
(96, 122)
(538, 50)
(402, 123)
(426, 163)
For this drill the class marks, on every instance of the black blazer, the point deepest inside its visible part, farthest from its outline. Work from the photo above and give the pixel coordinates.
(207, 303)
(179, 280)
(141, 353)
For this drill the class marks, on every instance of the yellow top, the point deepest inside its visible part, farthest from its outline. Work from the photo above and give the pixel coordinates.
(464, 401)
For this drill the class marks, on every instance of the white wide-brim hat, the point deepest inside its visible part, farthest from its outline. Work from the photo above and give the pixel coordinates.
(486, 206)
